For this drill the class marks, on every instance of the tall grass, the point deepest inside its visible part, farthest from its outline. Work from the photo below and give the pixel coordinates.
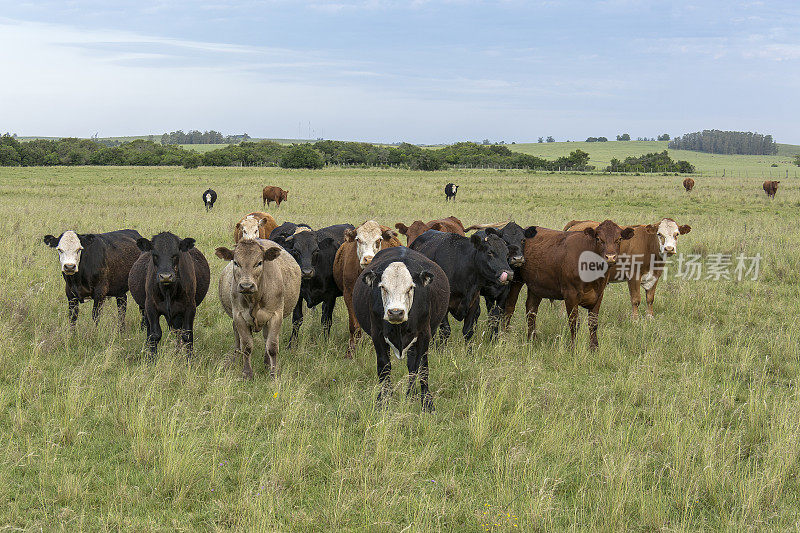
(686, 421)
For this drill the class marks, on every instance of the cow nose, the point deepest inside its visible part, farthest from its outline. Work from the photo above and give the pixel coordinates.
(307, 273)
(517, 260)
(167, 277)
(395, 314)
(669, 249)
(611, 258)
(367, 260)
(70, 268)
(247, 287)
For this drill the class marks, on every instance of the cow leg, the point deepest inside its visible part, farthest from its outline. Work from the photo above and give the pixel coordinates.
(97, 303)
(444, 328)
(634, 288)
(297, 321)
(153, 330)
(650, 295)
(122, 307)
(327, 315)
(531, 309)
(412, 363)
(423, 343)
(354, 329)
(143, 323)
(471, 319)
(272, 332)
(245, 336)
(571, 304)
(511, 303)
(593, 320)
(72, 307)
(187, 332)
(384, 365)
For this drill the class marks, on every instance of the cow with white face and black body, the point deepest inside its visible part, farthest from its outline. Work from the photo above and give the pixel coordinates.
(96, 266)
(643, 257)
(471, 263)
(400, 299)
(209, 197)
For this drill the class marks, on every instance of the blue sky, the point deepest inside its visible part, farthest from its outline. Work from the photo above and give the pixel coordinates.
(423, 71)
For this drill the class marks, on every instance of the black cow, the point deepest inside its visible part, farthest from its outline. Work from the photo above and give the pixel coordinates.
(209, 197)
(315, 251)
(170, 278)
(450, 191)
(495, 294)
(400, 299)
(96, 266)
(470, 264)
(287, 229)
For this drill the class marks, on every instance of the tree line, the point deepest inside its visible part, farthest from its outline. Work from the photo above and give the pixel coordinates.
(726, 142)
(71, 151)
(655, 162)
(201, 137)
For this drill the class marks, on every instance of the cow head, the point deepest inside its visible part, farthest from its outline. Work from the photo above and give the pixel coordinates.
(165, 252)
(416, 229)
(514, 237)
(608, 236)
(284, 195)
(397, 286)
(248, 257)
(251, 226)
(305, 248)
(69, 246)
(491, 257)
(667, 232)
(369, 238)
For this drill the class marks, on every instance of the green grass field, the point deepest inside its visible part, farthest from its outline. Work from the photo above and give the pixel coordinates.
(746, 166)
(687, 421)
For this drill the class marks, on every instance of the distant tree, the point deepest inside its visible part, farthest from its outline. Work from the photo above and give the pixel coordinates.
(726, 142)
(541, 140)
(192, 160)
(663, 137)
(302, 156)
(655, 162)
(550, 139)
(486, 141)
(602, 139)
(797, 160)
(9, 157)
(624, 137)
(591, 139)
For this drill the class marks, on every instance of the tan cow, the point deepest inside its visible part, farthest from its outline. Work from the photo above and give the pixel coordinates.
(256, 225)
(258, 288)
(359, 247)
(688, 184)
(449, 225)
(642, 258)
(771, 187)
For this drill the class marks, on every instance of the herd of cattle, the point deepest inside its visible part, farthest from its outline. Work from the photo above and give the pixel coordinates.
(400, 295)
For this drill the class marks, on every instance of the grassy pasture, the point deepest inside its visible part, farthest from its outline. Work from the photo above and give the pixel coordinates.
(687, 421)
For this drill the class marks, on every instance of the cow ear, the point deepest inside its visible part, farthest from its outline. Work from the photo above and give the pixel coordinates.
(350, 235)
(389, 234)
(370, 277)
(627, 233)
(402, 228)
(651, 229)
(437, 226)
(530, 232)
(50, 241)
(492, 231)
(327, 241)
(425, 278)
(272, 253)
(224, 253)
(263, 222)
(590, 232)
(144, 245)
(186, 244)
(87, 239)
(476, 240)
(683, 230)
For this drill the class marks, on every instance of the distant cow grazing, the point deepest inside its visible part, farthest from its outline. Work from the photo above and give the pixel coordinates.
(256, 225)
(356, 253)
(771, 187)
(642, 258)
(450, 224)
(400, 299)
(567, 265)
(450, 191)
(315, 252)
(169, 279)
(495, 294)
(209, 197)
(688, 184)
(274, 194)
(258, 288)
(96, 266)
(470, 264)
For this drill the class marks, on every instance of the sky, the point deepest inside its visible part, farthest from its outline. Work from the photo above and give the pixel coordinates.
(422, 71)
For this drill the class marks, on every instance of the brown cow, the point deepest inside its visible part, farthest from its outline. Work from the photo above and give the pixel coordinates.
(688, 184)
(642, 258)
(256, 225)
(258, 288)
(569, 266)
(274, 194)
(771, 187)
(359, 247)
(449, 225)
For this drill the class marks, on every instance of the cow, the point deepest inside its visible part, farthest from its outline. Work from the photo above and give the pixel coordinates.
(569, 266)
(450, 191)
(356, 253)
(470, 264)
(315, 251)
(287, 229)
(256, 225)
(96, 266)
(771, 187)
(258, 288)
(274, 194)
(169, 279)
(209, 197)
(688, 184)
(495, 294)
(450, 224)
(400, 299)
(642, 258)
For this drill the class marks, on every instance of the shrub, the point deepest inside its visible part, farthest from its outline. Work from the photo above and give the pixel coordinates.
(301, 156)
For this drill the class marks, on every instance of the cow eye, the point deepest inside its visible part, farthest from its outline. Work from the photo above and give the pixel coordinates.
(491, 254)
(236, 264)
(259, 264)
(378, 242)
(155, 258)
(358, 240)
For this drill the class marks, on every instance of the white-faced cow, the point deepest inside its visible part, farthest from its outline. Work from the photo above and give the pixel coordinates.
(450, 191)
(209, 197)
(96, 266)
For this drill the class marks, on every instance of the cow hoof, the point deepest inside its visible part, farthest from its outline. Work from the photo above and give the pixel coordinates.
(427, 406)
(348, 355)
(247, 375)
